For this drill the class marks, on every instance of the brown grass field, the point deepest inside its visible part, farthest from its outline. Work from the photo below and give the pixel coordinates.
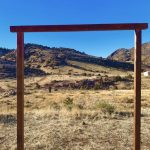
(73, 119)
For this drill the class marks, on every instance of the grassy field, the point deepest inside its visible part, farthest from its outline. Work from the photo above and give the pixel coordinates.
(72, 119)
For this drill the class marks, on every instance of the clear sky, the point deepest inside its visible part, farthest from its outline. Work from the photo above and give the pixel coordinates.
(48, 12)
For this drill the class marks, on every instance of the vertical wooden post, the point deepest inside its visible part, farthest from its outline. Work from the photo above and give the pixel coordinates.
(20, 91)
(137, 90)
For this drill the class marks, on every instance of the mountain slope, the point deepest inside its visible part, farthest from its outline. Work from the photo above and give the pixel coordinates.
(127, 55)
(40, 60)
(121, 54)
(4, 51)
(42, 56)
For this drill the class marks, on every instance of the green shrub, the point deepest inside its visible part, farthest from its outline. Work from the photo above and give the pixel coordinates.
(106, 107)
(68, 103)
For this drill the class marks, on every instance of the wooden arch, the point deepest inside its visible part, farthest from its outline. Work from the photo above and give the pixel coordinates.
(137, 27)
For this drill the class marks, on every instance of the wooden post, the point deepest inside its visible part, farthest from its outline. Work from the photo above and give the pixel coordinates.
(20, 91)
(137, 90)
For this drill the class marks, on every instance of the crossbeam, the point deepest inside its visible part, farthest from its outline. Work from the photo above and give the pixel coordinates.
(79, 27)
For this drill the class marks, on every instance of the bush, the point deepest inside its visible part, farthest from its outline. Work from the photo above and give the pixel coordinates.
(96, 86)
(106, 107)
(80, 105)
(118, 78)
(84, 74)
(129, 77)
(99, 75)
(128, 100)
(69, 73)
(37, 86)
(38, 66)
(68, 103)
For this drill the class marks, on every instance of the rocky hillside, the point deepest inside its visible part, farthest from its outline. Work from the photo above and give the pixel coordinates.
(37, 56)
(39, 59)
(127, 55)
(8, 69)
(4, 51)
(121, 54)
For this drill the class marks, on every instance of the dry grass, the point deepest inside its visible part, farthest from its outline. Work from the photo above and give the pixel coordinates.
(74, 119)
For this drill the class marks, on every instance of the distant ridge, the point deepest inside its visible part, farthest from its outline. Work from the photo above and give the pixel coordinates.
(127, 55)
(36, 55)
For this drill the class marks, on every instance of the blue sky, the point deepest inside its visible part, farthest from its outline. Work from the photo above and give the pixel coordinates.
(47, 12)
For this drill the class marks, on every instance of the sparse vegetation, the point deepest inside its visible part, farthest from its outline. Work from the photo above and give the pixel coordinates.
(37, 86)
(106, 107)
(129, 76)
(68, 103)
(84, 74)
(55, 106)
(97, 86)
(128, 100)
(118, 78)
(66, 115)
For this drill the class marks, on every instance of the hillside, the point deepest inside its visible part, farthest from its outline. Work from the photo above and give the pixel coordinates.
(38, 57)
(127, 55)
(4, 51)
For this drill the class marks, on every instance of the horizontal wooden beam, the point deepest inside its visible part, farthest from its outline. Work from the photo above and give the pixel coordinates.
(79, 27)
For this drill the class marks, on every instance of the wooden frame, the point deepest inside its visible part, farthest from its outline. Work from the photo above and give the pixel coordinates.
(137, 27)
